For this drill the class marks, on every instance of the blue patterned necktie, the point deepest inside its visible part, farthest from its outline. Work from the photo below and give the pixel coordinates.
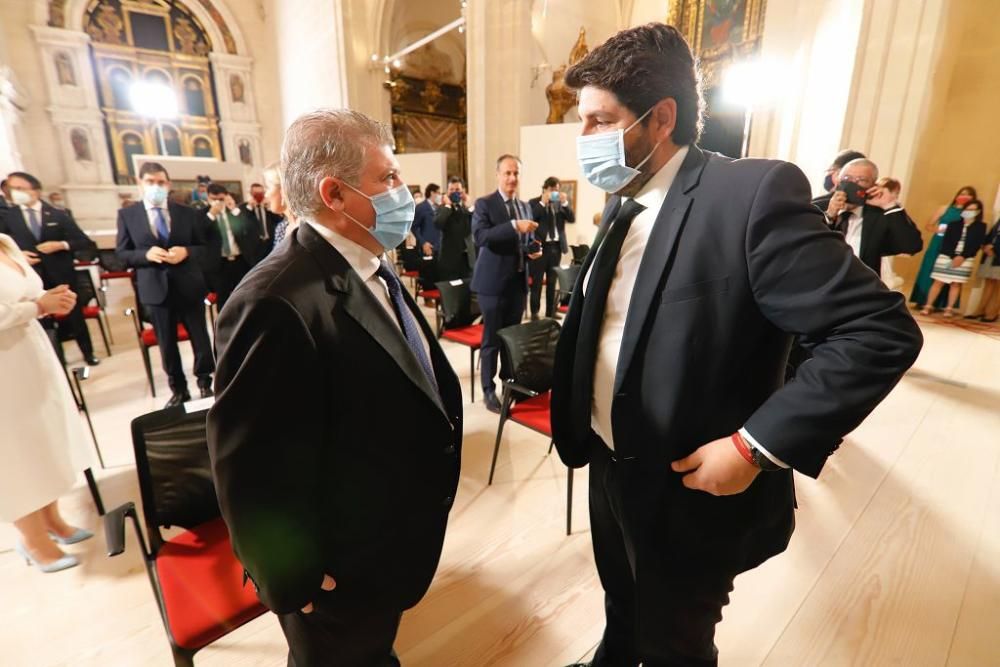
(411, 331)
(36, 227)
(161, 227)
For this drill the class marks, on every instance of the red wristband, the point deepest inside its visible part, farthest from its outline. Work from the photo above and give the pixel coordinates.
(742, 448)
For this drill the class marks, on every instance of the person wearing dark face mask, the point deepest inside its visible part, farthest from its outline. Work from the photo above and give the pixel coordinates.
(960, 244)
(336, 492)
(551, 211)
(938, 224)
(668, 377)
(453, 218)
(832, 175)
(263, 220)
(873, 223)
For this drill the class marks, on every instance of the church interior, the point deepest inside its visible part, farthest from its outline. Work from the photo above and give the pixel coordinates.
(896, 555)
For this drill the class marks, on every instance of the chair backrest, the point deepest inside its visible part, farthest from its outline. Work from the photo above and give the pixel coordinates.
(567, 277)
(529, 351)
(457, 304)
(85, 290)
(85, 255)
(175, 473)
(110, 261)
(410, 258)
(580, 253)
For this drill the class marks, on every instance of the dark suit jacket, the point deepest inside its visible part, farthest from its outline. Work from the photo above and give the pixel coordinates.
(457, 255)
(424, 228)
(974, 238)
(319, 477)
(738, 263)
(246, 233)
(993, 240)
(270, 219)
(57, 225)
(884, 233)
(500, 247)
(541, 214)
(156, 281)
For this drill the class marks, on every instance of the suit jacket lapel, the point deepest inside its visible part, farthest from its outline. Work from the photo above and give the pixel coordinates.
(360, 304)
(19, 230)
(658, 256)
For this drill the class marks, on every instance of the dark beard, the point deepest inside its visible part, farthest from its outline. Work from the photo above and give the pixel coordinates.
(638, 153)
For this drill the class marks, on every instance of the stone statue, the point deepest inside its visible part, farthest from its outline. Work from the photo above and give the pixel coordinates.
(64, 69)
(81, 145)
(236, 88)
(245, 156)
(562, 99)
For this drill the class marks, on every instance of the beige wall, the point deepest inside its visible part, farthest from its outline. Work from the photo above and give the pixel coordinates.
(424, 168)
(959, 143)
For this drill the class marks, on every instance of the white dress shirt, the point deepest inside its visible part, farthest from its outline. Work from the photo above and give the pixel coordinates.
(854, 225)
(365, 264)
(620, 294)
(37, 208)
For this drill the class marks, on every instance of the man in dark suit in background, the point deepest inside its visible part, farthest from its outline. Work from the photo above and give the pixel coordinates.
(165, 242)
(233, 243)
(551, 211)
(428, 236)
(48, 236)
(263, 220)
(669, 368)
(503, 229)
(337, 492)
(457, 256)
(832, 176)
(4, 195)
(871, 221)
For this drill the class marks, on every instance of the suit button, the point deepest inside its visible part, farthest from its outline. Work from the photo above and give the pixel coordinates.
(449, 450)
(448, 501)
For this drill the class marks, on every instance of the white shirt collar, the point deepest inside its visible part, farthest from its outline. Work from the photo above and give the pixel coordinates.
(655, 191)
(504, 197)
(361, 259)
(36, 207)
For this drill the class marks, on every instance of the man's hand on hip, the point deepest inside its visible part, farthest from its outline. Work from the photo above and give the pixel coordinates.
(717, 468)
(328, 585)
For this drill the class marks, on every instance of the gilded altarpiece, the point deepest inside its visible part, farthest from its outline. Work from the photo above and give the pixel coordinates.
(161, 42)
(429, 116)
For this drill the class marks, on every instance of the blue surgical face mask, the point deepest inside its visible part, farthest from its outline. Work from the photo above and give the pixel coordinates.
(394, 211)
(602, 158)
(554, 196)
(154, 195)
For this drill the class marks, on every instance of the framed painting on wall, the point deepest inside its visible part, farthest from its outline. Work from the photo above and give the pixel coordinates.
(569, 189)
(719, 31)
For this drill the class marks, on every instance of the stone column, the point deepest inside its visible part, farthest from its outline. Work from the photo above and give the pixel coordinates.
(499, 84)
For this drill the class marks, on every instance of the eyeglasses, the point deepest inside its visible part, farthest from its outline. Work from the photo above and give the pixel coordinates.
(862, 181)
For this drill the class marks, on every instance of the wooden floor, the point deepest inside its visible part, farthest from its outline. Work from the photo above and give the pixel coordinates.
(896, 559)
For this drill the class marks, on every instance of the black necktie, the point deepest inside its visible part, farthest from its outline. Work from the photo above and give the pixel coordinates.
(512, 211)
(552, 223)
(602, 273)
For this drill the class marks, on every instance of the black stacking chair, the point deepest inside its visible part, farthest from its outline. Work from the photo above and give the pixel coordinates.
(580, 253)
(93, 306)
(566, 277)
(196, 579)
(458, 314)
(529, 351)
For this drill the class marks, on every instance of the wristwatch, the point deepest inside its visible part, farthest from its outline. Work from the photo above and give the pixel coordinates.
(762, 461)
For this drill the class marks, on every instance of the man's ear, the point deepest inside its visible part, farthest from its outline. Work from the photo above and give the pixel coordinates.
(665, 116)
(332, 193)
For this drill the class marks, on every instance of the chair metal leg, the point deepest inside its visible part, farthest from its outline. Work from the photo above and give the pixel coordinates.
(569, 501)
(472, 372)
(94, 491)
(104, 333)
(82, 405)
(504, 415)
(182, 657)
(552, 443)
(149, 368)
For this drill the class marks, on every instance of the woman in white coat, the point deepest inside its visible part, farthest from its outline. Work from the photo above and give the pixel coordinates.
(42, 442)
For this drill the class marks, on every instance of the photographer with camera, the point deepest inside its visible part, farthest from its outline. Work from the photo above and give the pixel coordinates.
(456, 253)
(868, 215)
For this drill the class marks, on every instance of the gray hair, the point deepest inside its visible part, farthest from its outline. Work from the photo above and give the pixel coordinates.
(862, 162)
(326, 142)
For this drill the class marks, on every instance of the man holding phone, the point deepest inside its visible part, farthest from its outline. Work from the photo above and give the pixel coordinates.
(457, 253)
(872, 222)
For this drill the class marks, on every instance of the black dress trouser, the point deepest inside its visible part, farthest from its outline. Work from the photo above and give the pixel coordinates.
(688, 601)
(340, 639)
(165, 318)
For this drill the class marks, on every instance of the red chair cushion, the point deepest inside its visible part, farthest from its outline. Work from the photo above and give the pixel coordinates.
(212, 297)
(91, 312)
(533, 413)
(149, 336)
(411, 274)
(431, 293)
(202, 585)
(468, 336)
(563, 309)
(111, 275)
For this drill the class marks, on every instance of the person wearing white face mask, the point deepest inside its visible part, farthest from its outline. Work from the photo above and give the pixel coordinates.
(962, 241)
(165, 242)
(337, 490)
(668, 377)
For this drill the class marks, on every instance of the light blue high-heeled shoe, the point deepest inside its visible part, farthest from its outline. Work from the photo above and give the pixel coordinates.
(64, 563)
(79, 535)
